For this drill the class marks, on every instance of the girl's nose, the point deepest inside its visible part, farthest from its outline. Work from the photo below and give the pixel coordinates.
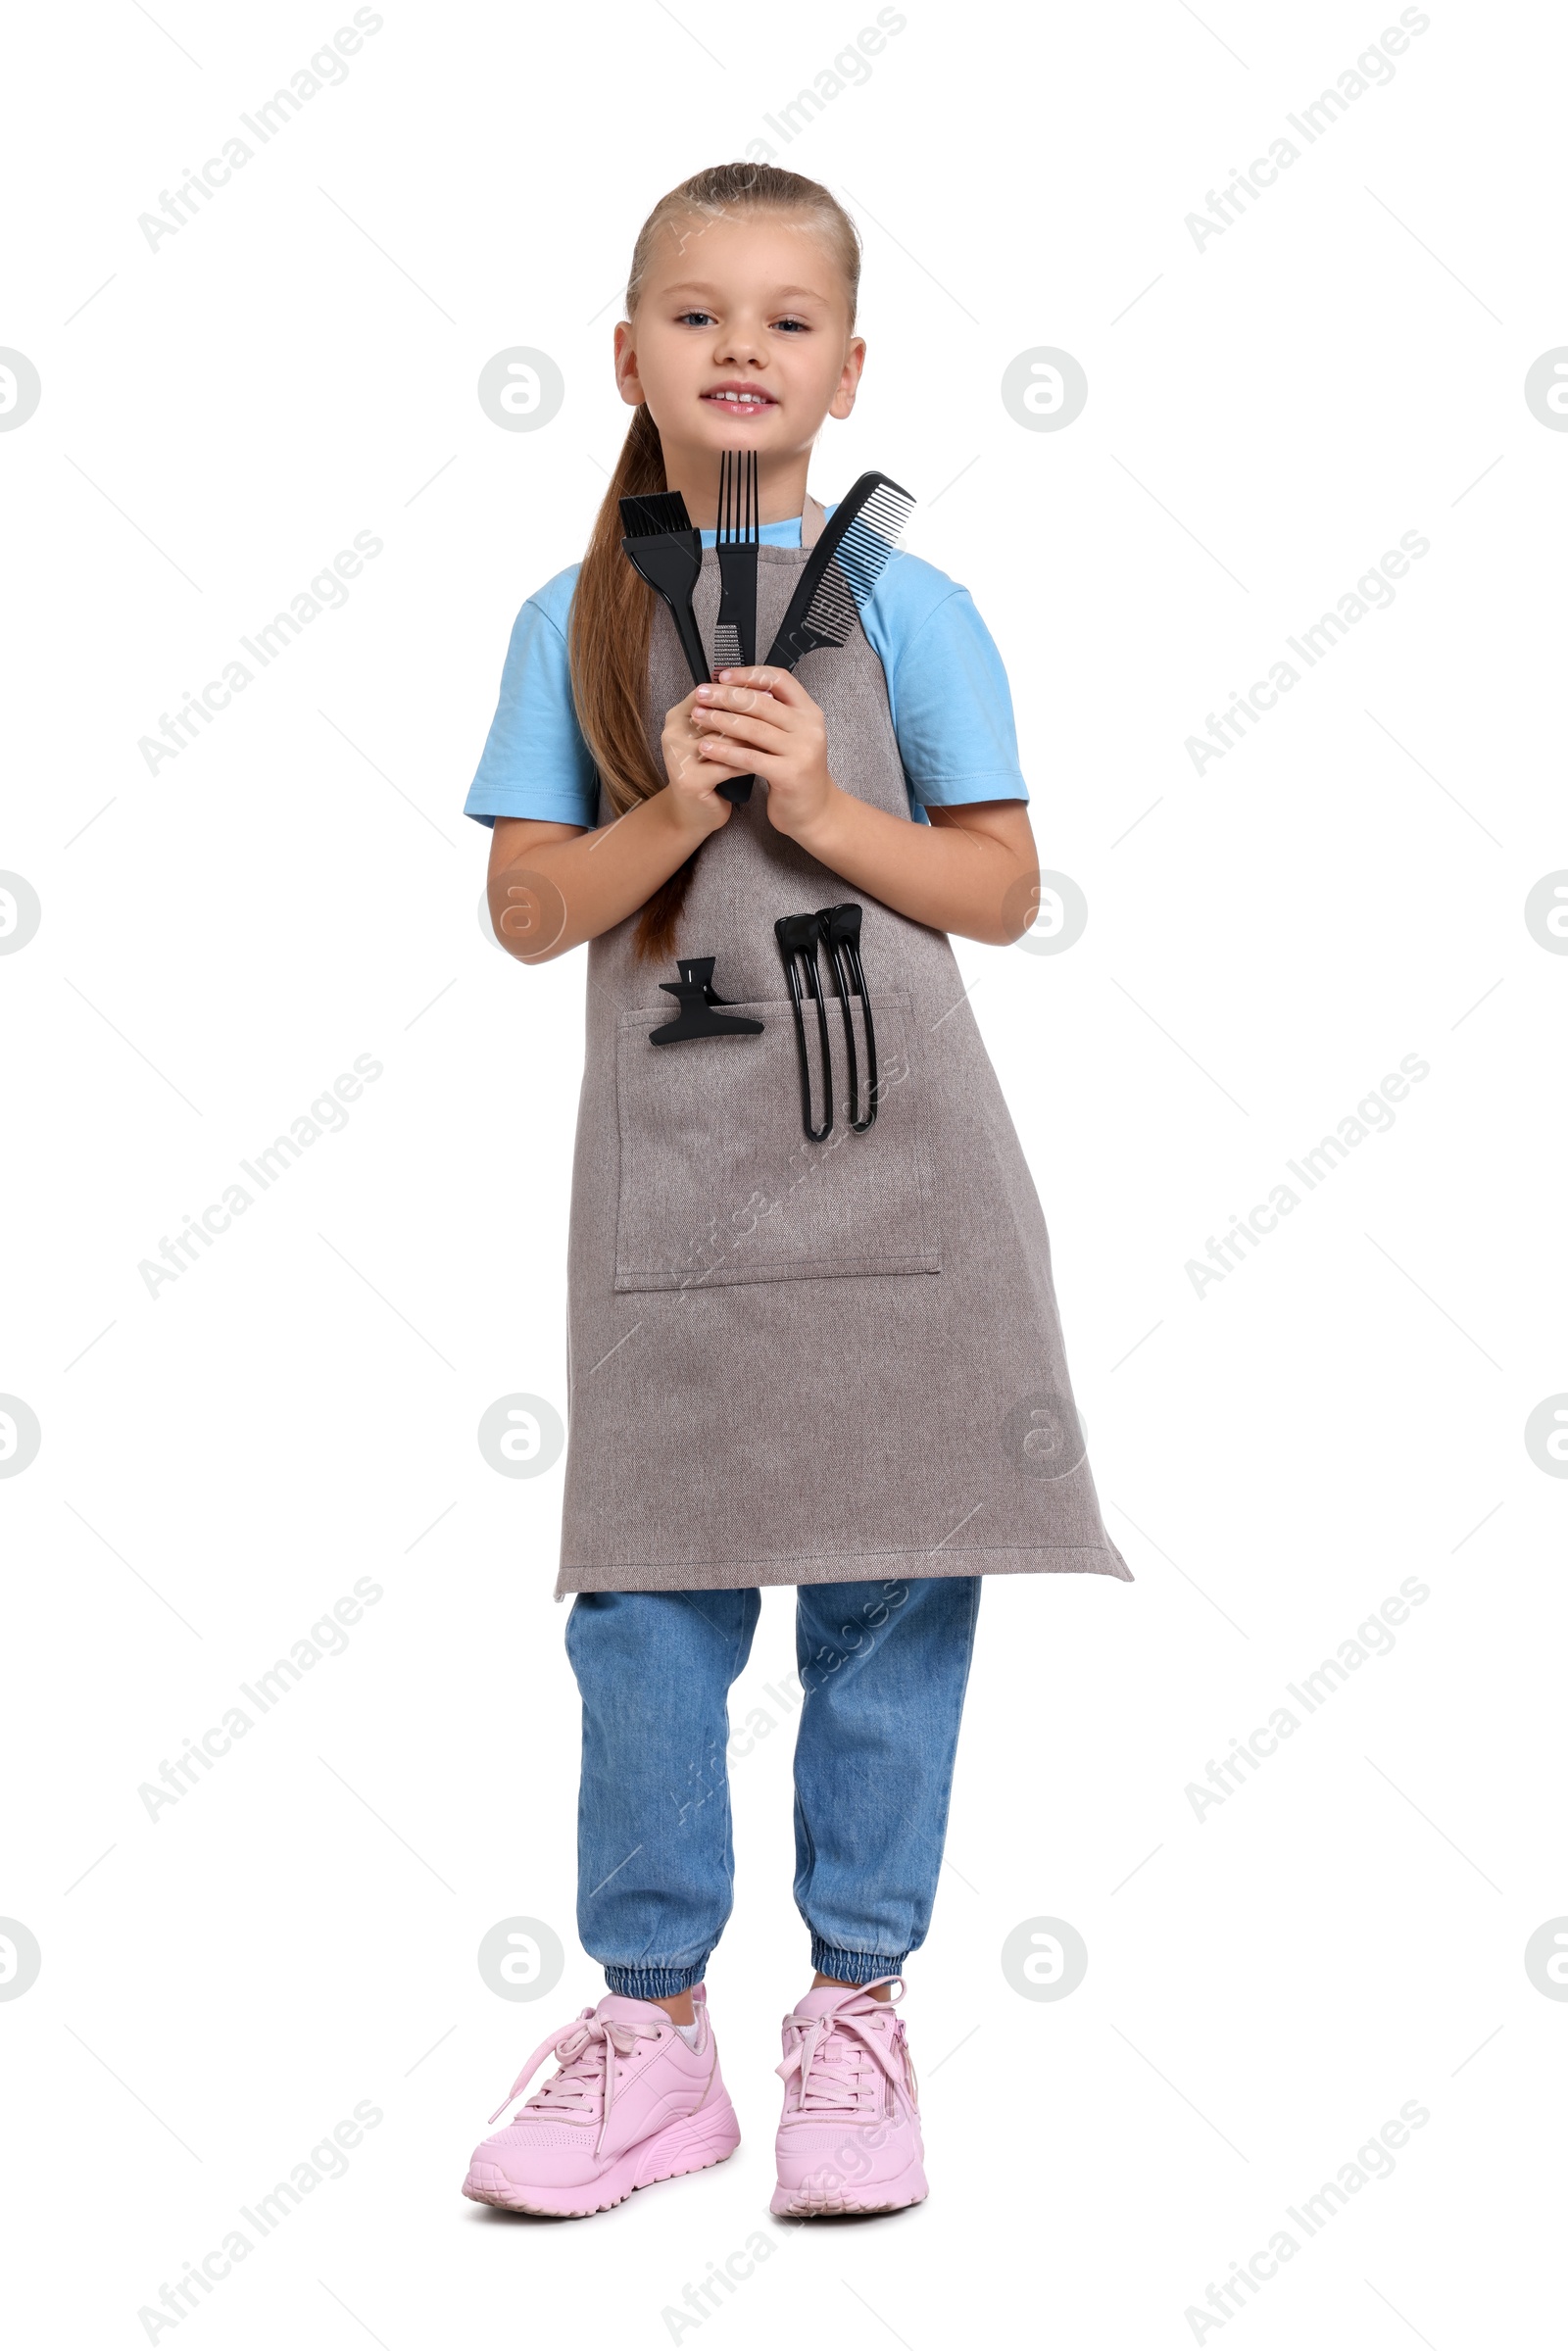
(738, 343)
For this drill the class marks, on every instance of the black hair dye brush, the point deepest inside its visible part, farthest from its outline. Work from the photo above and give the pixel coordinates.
(836, 583)
(666, 549)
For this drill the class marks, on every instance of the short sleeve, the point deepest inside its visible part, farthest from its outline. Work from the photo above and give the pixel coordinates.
(952, 708)
(535, 761)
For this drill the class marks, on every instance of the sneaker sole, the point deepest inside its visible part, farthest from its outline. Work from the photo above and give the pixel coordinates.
(694, 2144)
(810, 2203)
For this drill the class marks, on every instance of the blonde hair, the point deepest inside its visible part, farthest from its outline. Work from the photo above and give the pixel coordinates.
(613, 608)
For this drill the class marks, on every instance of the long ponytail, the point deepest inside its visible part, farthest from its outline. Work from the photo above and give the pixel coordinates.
(607, 640)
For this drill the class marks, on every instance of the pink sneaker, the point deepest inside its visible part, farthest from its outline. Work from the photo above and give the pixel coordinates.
(633, 2103)
(850, 2138)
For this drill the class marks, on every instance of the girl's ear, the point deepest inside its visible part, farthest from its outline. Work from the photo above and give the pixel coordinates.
(628, 381)
(849, 383)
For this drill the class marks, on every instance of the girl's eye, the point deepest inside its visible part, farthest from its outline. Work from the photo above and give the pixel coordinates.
(797, 324)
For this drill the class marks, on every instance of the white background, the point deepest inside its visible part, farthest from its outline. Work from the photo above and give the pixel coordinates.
(1265, 417)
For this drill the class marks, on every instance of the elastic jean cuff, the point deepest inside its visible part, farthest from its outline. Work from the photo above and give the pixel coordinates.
(653, 1983)
(854, 1967)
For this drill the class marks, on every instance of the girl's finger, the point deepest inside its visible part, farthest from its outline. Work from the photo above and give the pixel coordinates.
(717, 751)
(780, 682)
(738, 747)
(743, 728)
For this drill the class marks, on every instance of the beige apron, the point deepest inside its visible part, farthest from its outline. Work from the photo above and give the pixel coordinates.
(795, 1363)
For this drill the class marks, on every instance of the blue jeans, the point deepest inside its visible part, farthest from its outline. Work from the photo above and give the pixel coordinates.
(884, 1668)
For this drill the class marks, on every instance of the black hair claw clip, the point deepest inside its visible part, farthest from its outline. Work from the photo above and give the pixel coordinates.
(797, 936)
(694, 992)
(841, 929)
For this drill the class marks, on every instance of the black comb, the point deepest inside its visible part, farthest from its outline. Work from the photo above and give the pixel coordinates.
(843, 567)
(840, 573)
(735, 635)
(664, 548)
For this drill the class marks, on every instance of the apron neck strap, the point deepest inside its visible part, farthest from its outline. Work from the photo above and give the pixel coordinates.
(813, 519)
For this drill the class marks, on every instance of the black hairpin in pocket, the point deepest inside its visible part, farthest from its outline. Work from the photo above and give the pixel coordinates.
(797, 936)
(840, 927)
(694, 992)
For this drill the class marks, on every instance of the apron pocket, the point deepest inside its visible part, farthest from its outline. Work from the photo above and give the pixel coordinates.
(718, 1182)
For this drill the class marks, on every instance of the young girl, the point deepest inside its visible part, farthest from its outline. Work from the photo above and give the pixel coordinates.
(831, 1363)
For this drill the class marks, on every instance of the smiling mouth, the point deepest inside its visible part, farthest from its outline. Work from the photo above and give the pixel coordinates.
(745, 404)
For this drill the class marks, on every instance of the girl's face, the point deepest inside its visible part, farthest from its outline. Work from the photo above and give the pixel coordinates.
(741, 341)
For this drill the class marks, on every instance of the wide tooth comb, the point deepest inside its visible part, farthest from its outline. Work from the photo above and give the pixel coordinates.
(736, 539)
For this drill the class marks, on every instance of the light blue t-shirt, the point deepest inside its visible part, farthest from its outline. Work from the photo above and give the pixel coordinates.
(947, 688)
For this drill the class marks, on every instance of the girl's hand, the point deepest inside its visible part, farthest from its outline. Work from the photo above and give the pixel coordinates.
(763, 721)
(692, 802)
